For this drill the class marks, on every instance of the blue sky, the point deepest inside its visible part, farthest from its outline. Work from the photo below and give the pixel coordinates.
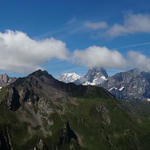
(78, 24)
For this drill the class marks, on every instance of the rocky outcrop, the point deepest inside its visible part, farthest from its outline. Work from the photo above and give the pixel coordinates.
(41, 146)
(68, 136)
(104, 114)
(5, 141)
(6, 80)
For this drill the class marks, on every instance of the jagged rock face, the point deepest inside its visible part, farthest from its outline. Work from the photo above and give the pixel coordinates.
(67, 136)
(94, 76)
(132, 84)
(6, 80)
(95, 73)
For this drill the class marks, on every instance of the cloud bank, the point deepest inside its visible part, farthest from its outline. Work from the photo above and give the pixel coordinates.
(20, 53)
(111, 59)
(138, 60)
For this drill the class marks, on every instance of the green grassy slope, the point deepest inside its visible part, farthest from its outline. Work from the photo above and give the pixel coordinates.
(97, 123)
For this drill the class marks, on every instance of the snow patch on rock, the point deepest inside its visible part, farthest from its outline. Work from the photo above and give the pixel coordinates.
(122, 88)
(113, 88)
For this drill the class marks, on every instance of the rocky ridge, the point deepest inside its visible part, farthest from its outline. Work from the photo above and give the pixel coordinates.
(133, 84)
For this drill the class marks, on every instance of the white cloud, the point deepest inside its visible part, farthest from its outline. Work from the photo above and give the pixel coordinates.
(133, 23)
(20, 53)
(95, 25)
(99, 56)
(138, 60)
(110, 59)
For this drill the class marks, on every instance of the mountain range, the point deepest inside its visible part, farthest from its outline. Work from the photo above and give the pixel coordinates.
(94, 76)
(38, 112)
(132, 84)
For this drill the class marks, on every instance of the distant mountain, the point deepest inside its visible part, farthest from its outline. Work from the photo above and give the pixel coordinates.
(94, 76)
(38, 112)
(132, 84)
(69, 77)
(6, 80)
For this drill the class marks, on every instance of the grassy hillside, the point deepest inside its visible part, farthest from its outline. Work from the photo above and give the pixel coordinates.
(51, 115)
(97, 123)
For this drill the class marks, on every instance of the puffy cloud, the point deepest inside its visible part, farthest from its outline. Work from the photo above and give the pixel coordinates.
(20, 53)
(138, 60)
(110, 59)
(99, 56)
(133, 23)
(95, 25)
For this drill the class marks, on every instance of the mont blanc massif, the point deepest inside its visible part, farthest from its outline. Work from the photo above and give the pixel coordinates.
(93, 112)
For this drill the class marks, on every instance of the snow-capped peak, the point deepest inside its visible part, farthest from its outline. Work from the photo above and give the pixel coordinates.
(69, 77)
(95, 76)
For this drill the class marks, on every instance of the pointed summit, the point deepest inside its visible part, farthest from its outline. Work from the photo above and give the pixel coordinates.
(96, 72)
(95, 76)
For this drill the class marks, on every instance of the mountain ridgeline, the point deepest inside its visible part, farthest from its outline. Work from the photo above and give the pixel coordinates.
(130, 85)
(133, 84)
(94, 76)
(38, 112)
